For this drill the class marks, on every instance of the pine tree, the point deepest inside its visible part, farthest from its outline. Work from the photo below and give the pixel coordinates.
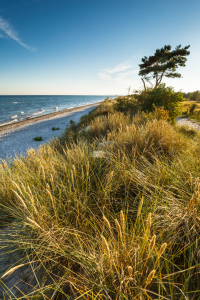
(163, 63)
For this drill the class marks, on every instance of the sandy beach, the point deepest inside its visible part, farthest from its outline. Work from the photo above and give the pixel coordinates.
(16, 139)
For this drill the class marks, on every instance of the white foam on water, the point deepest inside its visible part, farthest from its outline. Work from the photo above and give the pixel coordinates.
(38, 112)
(14, 117)
(7, 123)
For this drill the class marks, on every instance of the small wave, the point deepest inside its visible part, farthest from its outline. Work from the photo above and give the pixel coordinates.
(22, 112)
(38, 112)
(15, 102)
(14, 117)
(7, 123)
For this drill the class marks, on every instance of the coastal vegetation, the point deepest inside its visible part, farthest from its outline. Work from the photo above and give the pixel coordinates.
(37, 138)
(55, 128)
(191, 109)
(163, 63)
(110, 210)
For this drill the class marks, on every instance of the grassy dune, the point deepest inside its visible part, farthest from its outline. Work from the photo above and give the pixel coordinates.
(124, 225)
(191, 108)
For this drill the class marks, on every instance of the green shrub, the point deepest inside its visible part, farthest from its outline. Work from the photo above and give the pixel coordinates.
(38, 138)
(192, 108)
(55, 128)
(161, 96)
(159, 114)
(126, 104)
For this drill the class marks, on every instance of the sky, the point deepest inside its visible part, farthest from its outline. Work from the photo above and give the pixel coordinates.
(92, 47)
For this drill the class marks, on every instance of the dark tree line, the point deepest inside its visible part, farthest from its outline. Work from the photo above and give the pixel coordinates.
(192, 95)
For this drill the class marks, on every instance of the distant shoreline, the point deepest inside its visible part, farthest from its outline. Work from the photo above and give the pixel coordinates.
(43, 117)
(18, 138)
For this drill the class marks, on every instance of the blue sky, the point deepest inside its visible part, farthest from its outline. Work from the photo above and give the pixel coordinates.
(92, 47)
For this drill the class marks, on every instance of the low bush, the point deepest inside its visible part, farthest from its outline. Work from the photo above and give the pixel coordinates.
(55, 128)
(38, 138)
(161, 96)
(126, 104)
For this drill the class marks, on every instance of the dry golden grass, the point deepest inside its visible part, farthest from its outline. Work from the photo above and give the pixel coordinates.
(124, 226)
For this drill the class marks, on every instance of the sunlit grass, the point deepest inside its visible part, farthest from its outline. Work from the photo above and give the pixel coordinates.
(122, 226)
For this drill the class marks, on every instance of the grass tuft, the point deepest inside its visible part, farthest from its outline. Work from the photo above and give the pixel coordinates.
(125, 225)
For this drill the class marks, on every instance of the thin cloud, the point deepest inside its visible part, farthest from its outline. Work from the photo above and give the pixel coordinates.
(8, 30)
(121, 73)
(119, 68)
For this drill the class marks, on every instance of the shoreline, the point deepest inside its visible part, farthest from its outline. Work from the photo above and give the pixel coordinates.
(16, 139)
(46, 116)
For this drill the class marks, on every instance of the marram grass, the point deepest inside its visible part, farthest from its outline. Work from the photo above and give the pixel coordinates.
(124, 226)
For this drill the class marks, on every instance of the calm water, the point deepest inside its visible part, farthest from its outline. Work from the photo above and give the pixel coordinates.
(17, 108)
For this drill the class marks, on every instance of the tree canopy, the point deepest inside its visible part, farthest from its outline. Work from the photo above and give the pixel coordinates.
(163, 63)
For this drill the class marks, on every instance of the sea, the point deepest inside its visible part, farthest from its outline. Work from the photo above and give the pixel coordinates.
(14, 109)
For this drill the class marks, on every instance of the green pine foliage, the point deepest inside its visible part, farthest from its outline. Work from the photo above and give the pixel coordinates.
(163, 63)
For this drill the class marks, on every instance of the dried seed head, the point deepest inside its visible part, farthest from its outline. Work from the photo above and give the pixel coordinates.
(196, 182)
(30, 193)
(122, 220)
(48, 187)
(191, 179)
(199, 188)
(192, 200)
(130, 271)
(162, 249)
(52, 182)
(9, 272)
(21, 200)
(152, 242)
(107, 222)
(150, 277)
(87, 168)
(149, 221)
(74, 169)
(43, 173)
(105, 246)
(34, 223)
(111, 176)
(118, 227)
(17, 186)
(72, 176)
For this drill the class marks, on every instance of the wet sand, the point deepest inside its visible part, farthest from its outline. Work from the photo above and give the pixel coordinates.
(17, 138)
